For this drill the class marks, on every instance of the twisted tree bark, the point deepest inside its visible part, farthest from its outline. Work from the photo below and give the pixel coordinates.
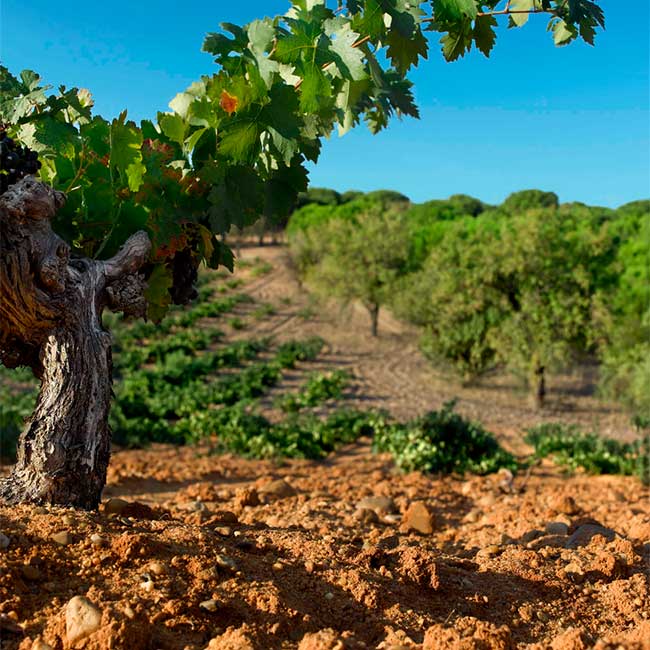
(51, 307)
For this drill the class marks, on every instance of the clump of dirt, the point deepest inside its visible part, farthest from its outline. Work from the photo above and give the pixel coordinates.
(259, 555)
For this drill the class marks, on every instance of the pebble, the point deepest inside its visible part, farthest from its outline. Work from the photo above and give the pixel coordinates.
(157, 568)
(129, 613)
(224, 531)
(583, 534)
(487, 552)
(554, 541)
(62, 538)
(472, 516)
(39, 644)
(556, 528)
(392, 519)
(209, 605)
(97, 540)
(365, 516)
(247, 497)
(115, 506)
(194, 506)
(30, 572)
(4, 541)
(329, 596)
(565, 504)
(380, 505)
(573, 567)
(531, 535)
(309, 566)
(279, 489)
(82, 618)
(418, 517)
(147, 586)
(226, 562)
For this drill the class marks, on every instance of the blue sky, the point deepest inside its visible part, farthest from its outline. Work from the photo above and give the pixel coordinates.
(574, 120)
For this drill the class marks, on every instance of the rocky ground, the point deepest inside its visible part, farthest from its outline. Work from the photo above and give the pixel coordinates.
(196, 551)
(215, 552)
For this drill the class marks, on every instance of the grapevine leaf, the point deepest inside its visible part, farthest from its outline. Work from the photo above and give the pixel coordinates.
(221, 255)
(370, 21)
(520, 19)
(261, 34)
(236, 197)
(96, 135)
(315, 90)
(563, 33)
(484, 34)
(347, 58)
(240, 140)
(157, 293)
(347, 101)
(125, 156)
(220, 46)
(454, 10)
(173, 126)
(458, 41)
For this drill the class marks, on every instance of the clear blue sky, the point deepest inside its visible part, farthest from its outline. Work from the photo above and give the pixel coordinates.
(574, 120)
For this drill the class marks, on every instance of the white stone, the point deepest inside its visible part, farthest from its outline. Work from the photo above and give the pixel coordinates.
(82, 618)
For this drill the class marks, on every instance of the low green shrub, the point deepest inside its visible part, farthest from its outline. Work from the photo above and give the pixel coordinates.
(319, 388)
(443, 441)
(567, 445)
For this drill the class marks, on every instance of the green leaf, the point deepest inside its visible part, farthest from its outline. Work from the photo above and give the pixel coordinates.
(240, 140)
(222, 255)
(563, 33)
(484, 34)
(261, 34)
(236, 197)
(181, 103)
(347, 59)
(405, 51)
(315, 90)
(347, 101)
(157, 293)
(126, 156)
(520, 19)
(97, 136)
(454, 10)
(173, 126)
(458, 42)
(370, 20)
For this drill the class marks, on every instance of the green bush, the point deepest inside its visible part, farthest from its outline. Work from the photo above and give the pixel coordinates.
(443, 441)
(319, 388)
(572, 448)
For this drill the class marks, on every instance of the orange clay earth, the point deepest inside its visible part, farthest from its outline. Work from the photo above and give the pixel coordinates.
(194, 551)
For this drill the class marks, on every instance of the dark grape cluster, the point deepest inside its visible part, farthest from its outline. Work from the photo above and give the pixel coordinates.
(185, 272)
(15, 161)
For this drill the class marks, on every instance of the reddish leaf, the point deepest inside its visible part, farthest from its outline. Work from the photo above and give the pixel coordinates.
(228, 102)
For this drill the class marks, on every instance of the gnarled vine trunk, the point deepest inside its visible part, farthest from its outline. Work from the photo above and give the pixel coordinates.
(50, 320)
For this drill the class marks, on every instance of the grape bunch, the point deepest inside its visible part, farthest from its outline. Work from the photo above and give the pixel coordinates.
(15, 161)
(185, 272)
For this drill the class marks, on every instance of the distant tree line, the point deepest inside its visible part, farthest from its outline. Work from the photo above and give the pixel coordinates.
(530, 285)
